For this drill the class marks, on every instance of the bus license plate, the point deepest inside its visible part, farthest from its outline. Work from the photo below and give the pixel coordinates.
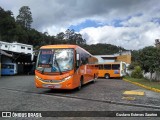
(51, 86)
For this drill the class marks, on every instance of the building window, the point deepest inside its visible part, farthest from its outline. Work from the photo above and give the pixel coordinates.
(22, 47)
(29, 48)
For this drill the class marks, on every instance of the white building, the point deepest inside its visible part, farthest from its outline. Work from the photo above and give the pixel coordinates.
(124, 56)
(105, 58)
(16, 47)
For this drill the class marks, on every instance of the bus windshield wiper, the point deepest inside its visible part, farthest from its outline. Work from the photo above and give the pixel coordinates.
(58, 65)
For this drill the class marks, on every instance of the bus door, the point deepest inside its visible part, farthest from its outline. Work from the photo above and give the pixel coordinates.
(123, 69)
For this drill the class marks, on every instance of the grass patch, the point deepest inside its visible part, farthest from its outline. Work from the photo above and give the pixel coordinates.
(145, 82)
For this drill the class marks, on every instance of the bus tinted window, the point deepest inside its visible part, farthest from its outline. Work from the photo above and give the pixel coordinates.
(84, 58)
(107, 67)
(5, 66)
(115, 66)
(96, 66)
(101, 67)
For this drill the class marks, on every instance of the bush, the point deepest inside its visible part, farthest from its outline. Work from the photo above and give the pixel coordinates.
(133, 65)
(137, 72)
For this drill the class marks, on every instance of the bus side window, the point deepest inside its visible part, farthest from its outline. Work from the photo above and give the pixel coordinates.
(101, 67)
(97, 66)
(115, 66)
(84, 58)
(107, 67)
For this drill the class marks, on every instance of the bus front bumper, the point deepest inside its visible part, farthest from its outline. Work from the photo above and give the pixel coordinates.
(64, 84)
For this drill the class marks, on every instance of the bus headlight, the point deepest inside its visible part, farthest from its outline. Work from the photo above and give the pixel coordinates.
(39, 78)
(67, 78)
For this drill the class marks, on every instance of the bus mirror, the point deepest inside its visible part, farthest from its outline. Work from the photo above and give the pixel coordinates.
(77, 57)
(77, 60)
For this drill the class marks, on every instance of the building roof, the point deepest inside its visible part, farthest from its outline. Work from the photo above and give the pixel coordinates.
(6, 54)
(15, 43)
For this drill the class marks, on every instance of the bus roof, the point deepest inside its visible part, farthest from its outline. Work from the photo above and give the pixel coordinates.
(63, 46)
(110, 63)
(59, 46)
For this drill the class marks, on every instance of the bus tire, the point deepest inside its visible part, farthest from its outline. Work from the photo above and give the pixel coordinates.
(107, 76)
(94, 79)
(80, 84)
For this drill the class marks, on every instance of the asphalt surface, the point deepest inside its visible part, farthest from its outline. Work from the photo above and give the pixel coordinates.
(18, 93)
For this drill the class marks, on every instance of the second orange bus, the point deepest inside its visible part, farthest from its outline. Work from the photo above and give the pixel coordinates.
(112, 69)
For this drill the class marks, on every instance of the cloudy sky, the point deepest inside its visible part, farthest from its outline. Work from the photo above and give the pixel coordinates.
(132, 24)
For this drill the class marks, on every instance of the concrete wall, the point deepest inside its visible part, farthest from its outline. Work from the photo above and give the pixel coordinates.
(155, 76)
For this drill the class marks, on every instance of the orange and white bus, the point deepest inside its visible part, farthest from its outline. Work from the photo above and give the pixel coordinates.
(64, 67)
(112, 69)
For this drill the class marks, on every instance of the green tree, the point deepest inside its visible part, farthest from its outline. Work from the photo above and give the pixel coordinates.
(137, 72)
(73, 38)
(78, 39)
(25, 17)
(7, 25)
(133, 65)
(101, 49)
(69, 36)
(60, 36)
(157, 60)
(149, 59)
(135, 55)
(21, 35)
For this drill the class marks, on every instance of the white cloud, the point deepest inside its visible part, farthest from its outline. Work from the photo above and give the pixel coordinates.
(54, 16)
(127, 37)
(53, 29)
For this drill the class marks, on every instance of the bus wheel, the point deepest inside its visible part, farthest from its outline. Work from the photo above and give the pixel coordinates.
(94, 79)
(80, 83)
(107, 76)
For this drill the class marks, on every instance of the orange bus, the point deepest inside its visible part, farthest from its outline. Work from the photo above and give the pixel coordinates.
(112, 69)
(64, 67)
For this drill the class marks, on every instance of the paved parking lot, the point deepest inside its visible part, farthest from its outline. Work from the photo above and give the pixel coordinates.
(19, 93)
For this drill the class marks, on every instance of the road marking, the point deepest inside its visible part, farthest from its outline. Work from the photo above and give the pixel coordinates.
(81, 98)
(128, 98)
(133, 93)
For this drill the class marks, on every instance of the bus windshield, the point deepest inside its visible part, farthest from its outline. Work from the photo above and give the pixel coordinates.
(55, 60)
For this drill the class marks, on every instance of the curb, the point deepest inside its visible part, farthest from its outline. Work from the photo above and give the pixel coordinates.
(149, 88)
